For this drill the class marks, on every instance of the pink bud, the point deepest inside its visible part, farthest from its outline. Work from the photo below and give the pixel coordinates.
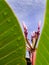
(24, 26)
(33, 34)
(39, 24)
(25, 29)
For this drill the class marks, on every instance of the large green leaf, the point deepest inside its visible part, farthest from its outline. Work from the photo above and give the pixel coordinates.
(12, 43)
(43, 50)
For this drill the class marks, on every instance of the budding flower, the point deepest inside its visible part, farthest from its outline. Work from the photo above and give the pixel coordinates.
(25, 29)
(39, 24)
(32, 35)
(24, 26)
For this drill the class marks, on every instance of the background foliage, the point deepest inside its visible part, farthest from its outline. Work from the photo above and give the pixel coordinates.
(43, 50)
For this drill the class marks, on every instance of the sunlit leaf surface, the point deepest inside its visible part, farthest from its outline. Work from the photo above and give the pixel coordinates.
(12, 43)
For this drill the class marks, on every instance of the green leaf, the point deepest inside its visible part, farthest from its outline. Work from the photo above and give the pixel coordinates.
(43, 50)
(12, 43)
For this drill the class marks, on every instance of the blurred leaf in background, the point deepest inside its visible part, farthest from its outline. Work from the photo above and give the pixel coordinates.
(43, 50)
